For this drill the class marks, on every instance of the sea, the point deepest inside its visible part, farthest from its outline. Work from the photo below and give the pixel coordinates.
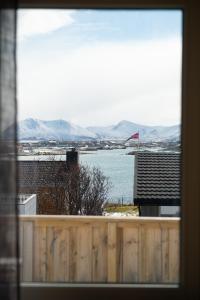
(115, 164)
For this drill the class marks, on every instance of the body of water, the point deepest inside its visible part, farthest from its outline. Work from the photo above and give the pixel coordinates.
(115, 164)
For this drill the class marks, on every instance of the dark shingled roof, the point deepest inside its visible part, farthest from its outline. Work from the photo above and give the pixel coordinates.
(36, 174)
(157, 179)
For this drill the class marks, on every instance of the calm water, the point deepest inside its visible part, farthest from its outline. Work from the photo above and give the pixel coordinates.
(115, 164)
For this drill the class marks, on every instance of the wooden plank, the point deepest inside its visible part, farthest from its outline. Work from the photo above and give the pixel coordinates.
(153, 269)
(57, 254)
(21, 249)
(84, 257)
(40, 254)
(99, 254)
(65, 248)
(165, 254)
(130, 255)
(28, 251)
(142, 254)
(112, 252)
(99, 219)
(120, 251)
(73, 254)
(157, 257)
(174, 256)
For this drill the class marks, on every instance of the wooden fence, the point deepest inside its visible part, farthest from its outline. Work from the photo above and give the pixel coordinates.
(99, 249)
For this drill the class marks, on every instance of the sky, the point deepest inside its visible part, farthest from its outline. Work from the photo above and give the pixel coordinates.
(98, 67)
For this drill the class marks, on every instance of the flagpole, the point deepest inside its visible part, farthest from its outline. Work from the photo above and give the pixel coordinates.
(138, 139)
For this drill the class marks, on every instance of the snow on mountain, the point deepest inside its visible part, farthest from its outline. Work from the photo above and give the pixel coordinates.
(125, 129)
(63, 130)
(56, 129)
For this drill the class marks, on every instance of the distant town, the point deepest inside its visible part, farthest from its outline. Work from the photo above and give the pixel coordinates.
(53, 147)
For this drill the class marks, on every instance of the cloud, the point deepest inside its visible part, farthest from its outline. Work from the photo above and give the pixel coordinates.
(103, 83)
(44, 21)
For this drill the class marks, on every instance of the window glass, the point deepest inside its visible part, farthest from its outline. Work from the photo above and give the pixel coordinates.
(99, 144)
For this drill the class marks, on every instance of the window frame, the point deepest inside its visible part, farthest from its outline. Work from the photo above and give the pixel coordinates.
(190, 221)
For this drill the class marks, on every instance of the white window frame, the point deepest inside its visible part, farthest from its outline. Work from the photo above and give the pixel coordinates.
(189, 287)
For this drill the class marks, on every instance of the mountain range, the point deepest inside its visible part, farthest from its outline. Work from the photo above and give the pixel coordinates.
(34, 129)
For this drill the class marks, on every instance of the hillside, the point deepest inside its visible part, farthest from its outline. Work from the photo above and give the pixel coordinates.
(64, 130)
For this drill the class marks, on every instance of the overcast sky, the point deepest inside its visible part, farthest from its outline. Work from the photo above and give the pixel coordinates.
(100, 67)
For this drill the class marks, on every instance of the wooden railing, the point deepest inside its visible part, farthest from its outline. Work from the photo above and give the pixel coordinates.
(99, 249)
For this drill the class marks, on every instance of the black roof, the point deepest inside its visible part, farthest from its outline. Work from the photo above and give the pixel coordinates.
(36, 174)
(157, 178)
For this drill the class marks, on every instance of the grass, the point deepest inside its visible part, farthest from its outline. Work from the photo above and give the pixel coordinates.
(118, 208)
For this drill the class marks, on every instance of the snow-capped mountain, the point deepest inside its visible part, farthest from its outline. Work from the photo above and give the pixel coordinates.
(147, 133)
(64, 130)
(56, 130)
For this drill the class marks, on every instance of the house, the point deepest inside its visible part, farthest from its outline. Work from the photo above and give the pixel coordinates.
(157, 183)
(38, 177)
(27, 204)
(45, 179)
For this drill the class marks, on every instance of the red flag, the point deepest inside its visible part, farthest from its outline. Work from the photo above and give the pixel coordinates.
(134, 136)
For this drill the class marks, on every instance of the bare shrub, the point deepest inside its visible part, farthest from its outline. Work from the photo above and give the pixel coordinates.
(79, 190)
